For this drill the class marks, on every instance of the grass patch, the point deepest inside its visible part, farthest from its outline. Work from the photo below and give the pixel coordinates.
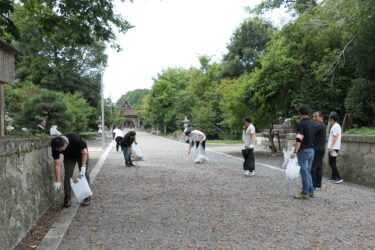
(361, 131)
(224, 141)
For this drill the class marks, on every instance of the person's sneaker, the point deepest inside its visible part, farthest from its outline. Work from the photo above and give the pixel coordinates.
(338, 181)
(128, 166)
(318, 188)
(311, 195)
(86, 201)
(252, 173)
(132, 165)
(247, 173)
(67, 202)
(301, 196)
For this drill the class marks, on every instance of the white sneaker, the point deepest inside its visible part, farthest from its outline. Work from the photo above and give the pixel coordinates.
(252, 173)
(338, 181)
(247, 173)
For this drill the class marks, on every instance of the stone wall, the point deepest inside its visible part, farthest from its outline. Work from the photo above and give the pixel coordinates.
(356, 160)
(26, 186)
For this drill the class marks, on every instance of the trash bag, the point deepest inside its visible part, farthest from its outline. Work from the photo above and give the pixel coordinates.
(287, 155)
(81, 188)
(292, 169)
(53, 131)
(201, 155)
(137, 153)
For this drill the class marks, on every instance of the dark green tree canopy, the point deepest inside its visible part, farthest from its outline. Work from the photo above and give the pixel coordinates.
(247, 44)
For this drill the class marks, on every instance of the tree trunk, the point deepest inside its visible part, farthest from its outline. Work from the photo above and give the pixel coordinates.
(347, 123)
(271, 135)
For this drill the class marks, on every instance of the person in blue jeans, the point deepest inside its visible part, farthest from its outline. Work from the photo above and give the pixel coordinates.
(126, 144)
(304, 151)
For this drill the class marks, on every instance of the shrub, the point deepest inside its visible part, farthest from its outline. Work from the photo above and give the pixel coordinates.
(360, 101)
(49, 105)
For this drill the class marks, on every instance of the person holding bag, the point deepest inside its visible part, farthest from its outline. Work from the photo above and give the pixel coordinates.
(126, 145)
(74, 149)
(197, 137)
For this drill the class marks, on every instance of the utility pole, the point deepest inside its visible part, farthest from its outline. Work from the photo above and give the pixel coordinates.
(102, 99)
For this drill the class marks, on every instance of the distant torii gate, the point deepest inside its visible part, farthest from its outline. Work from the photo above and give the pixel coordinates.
(7, 76)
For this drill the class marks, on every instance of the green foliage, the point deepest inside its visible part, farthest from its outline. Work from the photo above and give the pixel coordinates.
(81, 111)
(15, 98)
(8, 29)
(49, 105)
(299, 6)
(324, 58)
(89, 135)
(360, 101)
(247, 44)
(55, 65)
(361, 131)
(135, 98)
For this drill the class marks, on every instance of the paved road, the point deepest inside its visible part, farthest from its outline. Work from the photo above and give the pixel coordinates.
(167, 202)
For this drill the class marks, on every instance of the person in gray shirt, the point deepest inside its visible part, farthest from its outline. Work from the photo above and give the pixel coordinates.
(319, 147)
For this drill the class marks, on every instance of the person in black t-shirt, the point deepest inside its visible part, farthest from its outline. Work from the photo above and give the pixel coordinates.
(126, 144)
(304, 150)
(319, 147)
(74, 149)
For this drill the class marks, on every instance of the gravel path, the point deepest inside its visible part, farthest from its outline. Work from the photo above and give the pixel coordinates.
(167, 202)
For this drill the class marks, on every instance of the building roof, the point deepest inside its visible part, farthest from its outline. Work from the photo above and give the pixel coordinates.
(7, 47)
(128, 111)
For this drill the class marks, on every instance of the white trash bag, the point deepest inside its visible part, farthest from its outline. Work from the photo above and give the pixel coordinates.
(201, 155)
(53, 131)
(292, 169)
(137, 153)
(287, 155)
(81, 188)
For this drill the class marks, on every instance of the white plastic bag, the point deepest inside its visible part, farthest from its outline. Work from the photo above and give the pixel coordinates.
(81, 188)
(138, 154)
(292, 169)
(53, 131)
(201, 155)
(287, 155)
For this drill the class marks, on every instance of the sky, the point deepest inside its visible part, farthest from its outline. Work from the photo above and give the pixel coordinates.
(169, 33)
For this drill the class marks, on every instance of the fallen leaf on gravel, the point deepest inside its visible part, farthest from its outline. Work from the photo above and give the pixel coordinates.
(33, 246)
(93, 229)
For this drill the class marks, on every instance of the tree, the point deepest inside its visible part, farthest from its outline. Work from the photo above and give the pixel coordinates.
(49, 105)
(360, 101)
(81, 111)
(299, 6)
(248, 42)
(47, 62)
(78, 23)
(8, 30)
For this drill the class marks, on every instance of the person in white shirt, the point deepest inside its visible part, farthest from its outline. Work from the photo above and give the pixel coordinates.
(248, 151)
(117, 136)
(334, 146)
(196, 137)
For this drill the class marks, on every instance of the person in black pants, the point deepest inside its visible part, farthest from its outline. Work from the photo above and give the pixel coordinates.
(126, 144)
(319, 147)
(117, 135)
(248, 151)
(74, 149)
(334, 145)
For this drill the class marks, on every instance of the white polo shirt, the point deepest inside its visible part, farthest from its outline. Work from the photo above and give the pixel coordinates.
(197, 135)
(335, 131)
(118, 132)
(250, 131)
